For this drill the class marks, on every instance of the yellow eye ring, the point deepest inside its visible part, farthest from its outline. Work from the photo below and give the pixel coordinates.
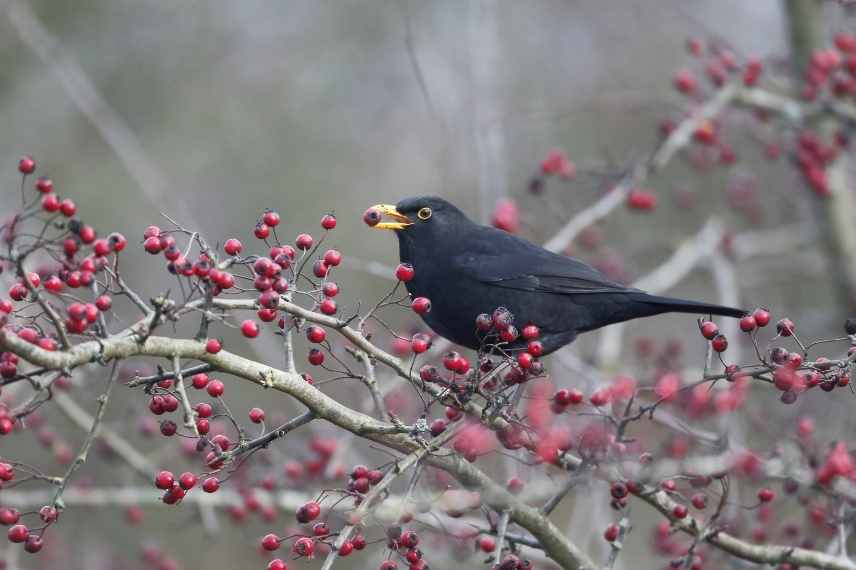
(423, 214)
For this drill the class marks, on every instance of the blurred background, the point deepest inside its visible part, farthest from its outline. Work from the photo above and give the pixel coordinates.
(214, 111)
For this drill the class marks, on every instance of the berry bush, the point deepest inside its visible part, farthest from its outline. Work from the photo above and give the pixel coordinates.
(462, 455)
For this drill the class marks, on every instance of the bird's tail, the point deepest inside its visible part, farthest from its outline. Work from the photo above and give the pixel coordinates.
(670, 305)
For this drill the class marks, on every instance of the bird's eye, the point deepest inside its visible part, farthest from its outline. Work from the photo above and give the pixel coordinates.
(423, 214)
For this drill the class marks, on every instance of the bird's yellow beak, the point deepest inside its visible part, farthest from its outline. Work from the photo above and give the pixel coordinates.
(401, 221)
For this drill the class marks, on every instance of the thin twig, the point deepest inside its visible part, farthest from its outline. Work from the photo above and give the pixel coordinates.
(501, 528)
(90, 438)
(189, 414)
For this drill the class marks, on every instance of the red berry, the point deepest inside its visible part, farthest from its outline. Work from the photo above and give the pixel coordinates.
(199, 381)
(48, 514)
(420, 343)
(104, 303)
(164, 480)
(487, 544)
(151, 231)
(304, 546)
(562, 398)
(642, 200)
(74, 280)
(709, 330)
(762, 317)
(719, 343)
(321, 529)
(785, 327)
(372, 217)
(747, 323)
(346, 548)
(267, 315)
(328, 222)
(535, 348)
(611, 533)
(226, 281)
(361, 485)
(44, 185)
(308, 512)
(599, 398)
(7, 472)
(316, 357)
(168, 428)
(250, 328)
(35, 280)
(280, 285)
(680, 511)
(18, 292)
(271, 219)
(51, 203)
(330, 289)
(525, 360)
(409, 539)
(152, 245)
(320, 269)
(68, 208)
(618, 490)
(303, 242)
(261, 231)
(91, 312)
(77, 311)
(684, 82)
(87, 234)
(70, 247)
(699, 501)
(233, 246)
(18, 533)
(270, 542)
(213, 346)
(530, 332)
(215, 388)
(404, 272)
(187, 480)
(794, 360)
(421, 305)
(26, 164)
(117, 242)
(316, 334)
(328, 307)
(277, 564)
(211, 484)
(332, 257)
(766, 495)
(9, 516)
(257, 415)
(204, 410)
(170, 403)
(34, 543)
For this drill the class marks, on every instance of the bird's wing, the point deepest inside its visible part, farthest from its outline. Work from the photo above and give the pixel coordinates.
(534, 271)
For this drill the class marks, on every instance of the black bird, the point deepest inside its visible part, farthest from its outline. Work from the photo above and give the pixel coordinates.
(466, 269)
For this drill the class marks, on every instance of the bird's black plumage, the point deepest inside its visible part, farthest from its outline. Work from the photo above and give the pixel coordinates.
(466, 269)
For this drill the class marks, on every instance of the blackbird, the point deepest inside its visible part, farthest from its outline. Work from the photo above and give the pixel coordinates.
(466, 269)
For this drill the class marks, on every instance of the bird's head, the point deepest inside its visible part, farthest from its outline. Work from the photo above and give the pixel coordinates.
(415, 217)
